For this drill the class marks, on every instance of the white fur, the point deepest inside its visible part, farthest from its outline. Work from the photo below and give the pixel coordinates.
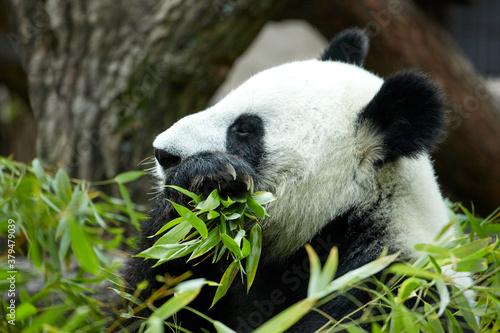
(317, 164)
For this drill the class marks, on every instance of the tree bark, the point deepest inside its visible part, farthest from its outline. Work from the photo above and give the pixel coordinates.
(401, 36)
(105, 77)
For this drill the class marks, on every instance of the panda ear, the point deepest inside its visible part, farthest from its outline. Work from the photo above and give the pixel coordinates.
(405, 118)
(350, 46)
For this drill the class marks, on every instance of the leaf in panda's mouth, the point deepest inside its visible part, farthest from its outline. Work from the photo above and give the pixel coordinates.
(213, 226)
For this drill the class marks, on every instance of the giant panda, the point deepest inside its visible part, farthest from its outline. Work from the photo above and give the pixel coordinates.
(346, 153)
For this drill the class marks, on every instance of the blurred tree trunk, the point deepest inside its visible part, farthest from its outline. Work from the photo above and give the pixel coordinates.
(105, 77)
(17, 125)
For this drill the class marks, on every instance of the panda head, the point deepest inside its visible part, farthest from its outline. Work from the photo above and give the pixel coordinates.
(325, 136)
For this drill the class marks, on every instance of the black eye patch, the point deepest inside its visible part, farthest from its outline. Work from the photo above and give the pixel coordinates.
(245, 138)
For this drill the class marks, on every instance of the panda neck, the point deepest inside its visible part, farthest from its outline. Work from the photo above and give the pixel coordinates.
(410, 216)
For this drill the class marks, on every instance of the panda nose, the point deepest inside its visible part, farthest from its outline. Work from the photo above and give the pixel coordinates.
(166, 159)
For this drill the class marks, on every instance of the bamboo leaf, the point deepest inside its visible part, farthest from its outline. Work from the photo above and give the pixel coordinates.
(185, 293)
(471, 265)
(129, 205)
(355, 329)
(128, 296)
(470, 248)
(194, 220)
(408, 270)
(227, 203)
(263, 197)
(77, 319)
(285, 319)
(84, 252)
(466, 312)
(407, 287)
(376, 328)
(207, 244)
(196, 198)
(231, 244)
(475, 226)
(255, 207)
(434, 324)
(154, 325)
(64, 244)
(329, 269)
(221, 328)
(212, 201)
(360, 273)
(314, 288)
(225, 282)
(253, 258)
(167, 252)
(455, 327)
(212, 215)
(444, 296)
(24, 311)
(402, 320)
(35, 252)
(433, 249)
(175, 234)
(63, 185)
(177, 253)
(128, 176)
(239, 236)
(169, 225)
(245, 248)
(40, 173)
(49, 316)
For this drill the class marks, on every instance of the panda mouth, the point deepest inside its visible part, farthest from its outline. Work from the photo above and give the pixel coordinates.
(206, 171)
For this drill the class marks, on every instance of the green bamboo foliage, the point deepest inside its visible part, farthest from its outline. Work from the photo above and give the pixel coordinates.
(65, 234)
(68, 235)
(215, 226)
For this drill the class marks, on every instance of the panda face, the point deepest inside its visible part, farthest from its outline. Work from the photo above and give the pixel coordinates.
(287, 118)
(294, 125)
(325, 137)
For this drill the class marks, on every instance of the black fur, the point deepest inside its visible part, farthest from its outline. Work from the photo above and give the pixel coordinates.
(350, 46)
(245, 138)
(408, 112)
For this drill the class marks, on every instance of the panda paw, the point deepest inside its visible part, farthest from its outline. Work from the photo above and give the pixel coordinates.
(204, 172)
